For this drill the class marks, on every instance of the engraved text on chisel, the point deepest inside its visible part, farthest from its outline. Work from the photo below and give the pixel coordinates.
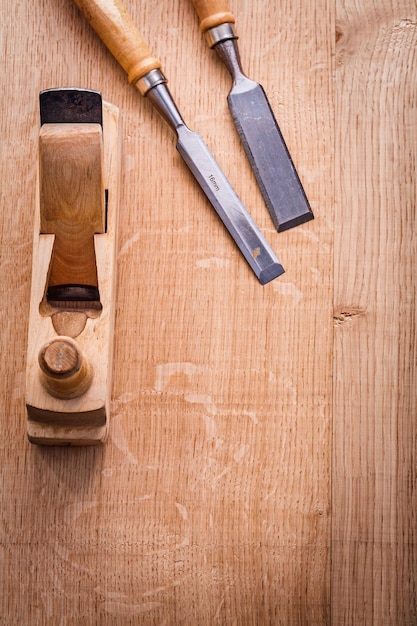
(213, 182)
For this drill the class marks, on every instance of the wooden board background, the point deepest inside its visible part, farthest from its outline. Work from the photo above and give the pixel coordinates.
(375, 384)
(261, 464)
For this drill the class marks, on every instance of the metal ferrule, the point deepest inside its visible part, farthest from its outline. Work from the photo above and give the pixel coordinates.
(220, 33)
(150, 80)
(163, 102)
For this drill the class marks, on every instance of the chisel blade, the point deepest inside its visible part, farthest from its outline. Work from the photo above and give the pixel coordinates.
(255, 122)
(118, 32)
(268, 154)
(228, 206)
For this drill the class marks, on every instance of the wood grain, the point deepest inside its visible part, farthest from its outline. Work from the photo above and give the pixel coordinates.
(375, 401)
(210, 502)
(71, 198)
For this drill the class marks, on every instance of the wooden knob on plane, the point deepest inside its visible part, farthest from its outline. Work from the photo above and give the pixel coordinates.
(65, 372)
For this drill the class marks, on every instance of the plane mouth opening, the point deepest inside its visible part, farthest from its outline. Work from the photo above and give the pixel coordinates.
(74, 297)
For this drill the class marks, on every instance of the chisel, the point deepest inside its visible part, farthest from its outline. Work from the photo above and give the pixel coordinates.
(255, 122)
(116, 29)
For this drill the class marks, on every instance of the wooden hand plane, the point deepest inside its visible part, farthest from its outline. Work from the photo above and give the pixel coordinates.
(72, 306)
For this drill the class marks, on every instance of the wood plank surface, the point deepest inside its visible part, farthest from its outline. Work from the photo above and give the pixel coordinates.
(211, 501)
(209, 504)
(374, 549)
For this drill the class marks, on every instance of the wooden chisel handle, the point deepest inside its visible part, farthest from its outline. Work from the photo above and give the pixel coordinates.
(116, 29)
(213, 13)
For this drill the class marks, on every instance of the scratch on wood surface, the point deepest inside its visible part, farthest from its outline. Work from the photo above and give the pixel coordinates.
(220, 606)
(121, 608)
(65, 554)
(161, 589)
(111, 595)
(128, 244)
(243, 450)
(124, 398)
(211, 428)
(182, 511)
(212, 262)
(288, 289)
(289, 385)
(165, 371)
(211, 407)
(183, 544)
(205, 400)
(118, 437)
(217, 478)
(72, 512)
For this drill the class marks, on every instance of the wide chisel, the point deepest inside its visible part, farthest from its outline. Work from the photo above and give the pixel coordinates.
(116, 29)
(255, 122)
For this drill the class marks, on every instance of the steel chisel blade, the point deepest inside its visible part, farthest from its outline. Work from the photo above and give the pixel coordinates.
(256, 124)
(118, 32)
(228, 206)
(268, 154)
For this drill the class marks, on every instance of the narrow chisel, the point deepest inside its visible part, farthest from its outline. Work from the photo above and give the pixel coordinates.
(116, 29)
(255, 122)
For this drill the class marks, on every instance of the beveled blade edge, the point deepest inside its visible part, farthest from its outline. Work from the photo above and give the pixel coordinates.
(269, 157)
(228, 206)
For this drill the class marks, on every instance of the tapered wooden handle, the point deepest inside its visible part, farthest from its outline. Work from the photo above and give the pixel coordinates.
(117, 31)
(213, 13)
(71, 194)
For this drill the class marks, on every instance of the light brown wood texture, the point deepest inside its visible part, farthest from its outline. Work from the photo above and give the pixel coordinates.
(69, 205)
(71, 191)
(375, 384)
(260, 465)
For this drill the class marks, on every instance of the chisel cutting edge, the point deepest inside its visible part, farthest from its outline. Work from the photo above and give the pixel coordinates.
(116, 29)
(255, 122)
